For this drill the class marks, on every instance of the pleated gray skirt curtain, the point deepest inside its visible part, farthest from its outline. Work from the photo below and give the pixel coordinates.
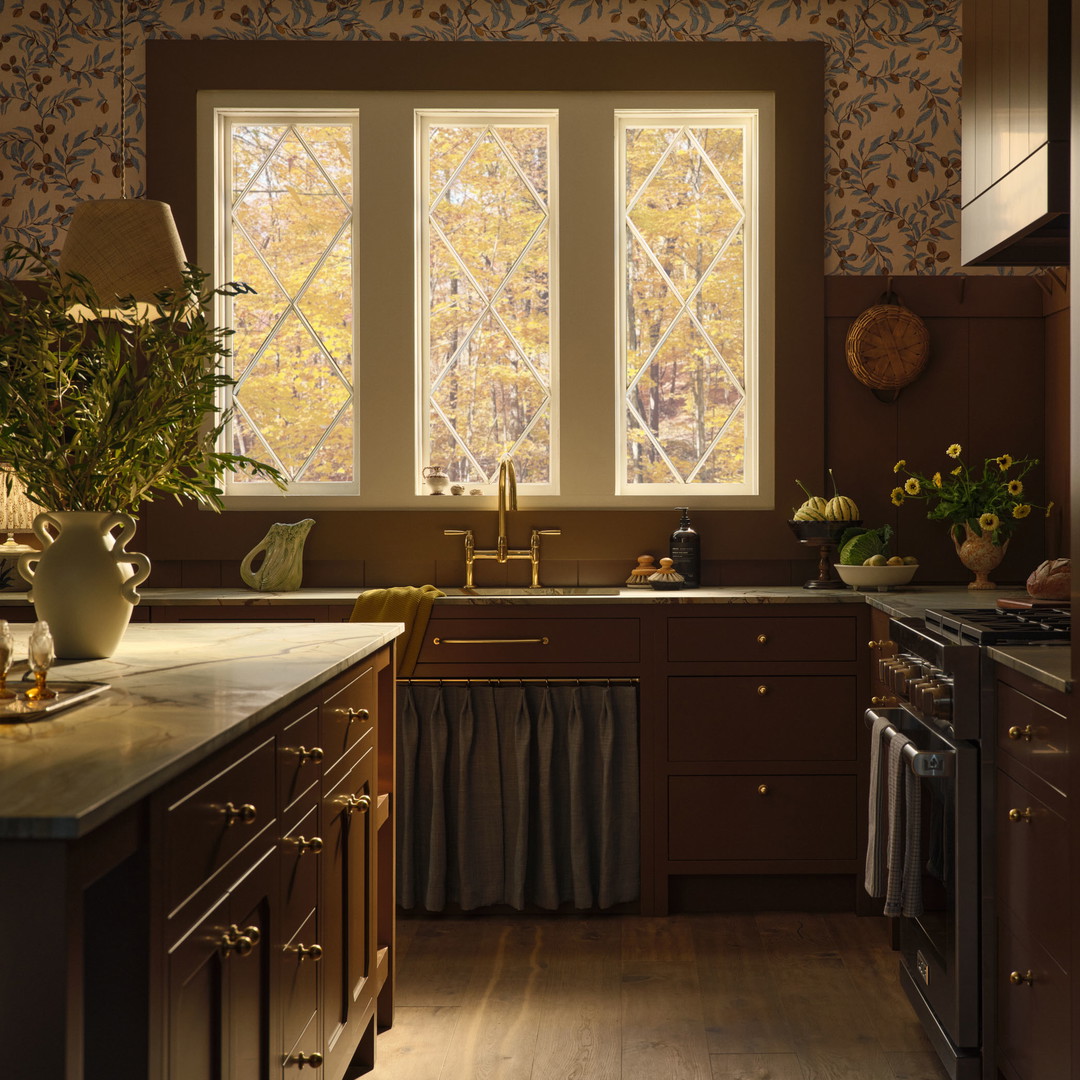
(523, 794)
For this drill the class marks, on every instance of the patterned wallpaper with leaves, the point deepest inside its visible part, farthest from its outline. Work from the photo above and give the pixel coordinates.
(890, 95)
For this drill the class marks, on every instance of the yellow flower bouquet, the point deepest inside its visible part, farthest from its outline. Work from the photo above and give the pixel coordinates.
(991, 503)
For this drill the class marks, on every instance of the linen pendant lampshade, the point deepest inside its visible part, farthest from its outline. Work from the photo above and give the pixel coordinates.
(124, 247)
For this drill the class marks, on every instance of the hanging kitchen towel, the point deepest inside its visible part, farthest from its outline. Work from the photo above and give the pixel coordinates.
(406, 604)
(878, 828)
(903, 890)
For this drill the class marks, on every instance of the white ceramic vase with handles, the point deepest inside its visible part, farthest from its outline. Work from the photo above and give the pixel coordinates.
(83, 582)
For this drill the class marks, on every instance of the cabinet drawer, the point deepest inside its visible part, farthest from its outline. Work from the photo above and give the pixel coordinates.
(299, 981)
(728, 817)
(299, 757)
(301, 852)
(1034, 735)
(207, 826)
(1033, 1032)
(762, 638)
(1033, 865)
(762, 718)
(531, 641)
(348, 716)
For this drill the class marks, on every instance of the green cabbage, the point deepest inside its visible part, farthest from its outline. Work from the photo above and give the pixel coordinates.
(858, 546)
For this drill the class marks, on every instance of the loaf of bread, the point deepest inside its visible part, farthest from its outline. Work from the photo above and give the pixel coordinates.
(1051, 580)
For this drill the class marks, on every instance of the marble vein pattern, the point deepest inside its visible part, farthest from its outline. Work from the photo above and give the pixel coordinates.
(890, 96)
(176, 693)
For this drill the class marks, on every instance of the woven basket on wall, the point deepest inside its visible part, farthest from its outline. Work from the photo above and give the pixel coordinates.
(887, 346)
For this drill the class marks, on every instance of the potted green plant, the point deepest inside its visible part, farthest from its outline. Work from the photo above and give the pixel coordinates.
(102, 408)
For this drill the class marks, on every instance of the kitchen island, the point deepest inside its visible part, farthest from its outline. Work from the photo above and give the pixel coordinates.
(151, 841)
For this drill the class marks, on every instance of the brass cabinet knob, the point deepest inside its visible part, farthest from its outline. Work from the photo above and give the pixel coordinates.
(314, 755)
(1026, 732)
(352, 714)
(762, 690)
(1021, 815)
(238, 941)
(886, 700)
(356, 802)
(1021, 978)
(302, 1059)
(763, 789)
(304, 845)
(244, 814)
(308, 952)
(762, 639)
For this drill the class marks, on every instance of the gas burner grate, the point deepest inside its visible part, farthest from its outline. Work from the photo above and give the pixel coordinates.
(995, 626)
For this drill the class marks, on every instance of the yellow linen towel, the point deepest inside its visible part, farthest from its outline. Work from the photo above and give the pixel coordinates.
(406, 604)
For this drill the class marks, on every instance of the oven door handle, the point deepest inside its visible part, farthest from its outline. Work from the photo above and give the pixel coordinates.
(934, 764)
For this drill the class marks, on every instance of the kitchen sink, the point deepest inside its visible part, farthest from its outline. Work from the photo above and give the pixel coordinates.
(542, 590)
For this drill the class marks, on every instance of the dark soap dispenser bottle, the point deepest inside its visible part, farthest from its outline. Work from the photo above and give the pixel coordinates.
(685, 550)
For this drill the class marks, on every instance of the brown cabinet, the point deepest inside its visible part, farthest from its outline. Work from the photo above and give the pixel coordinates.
(1035, 970)
(762, 768)
(275, 923)
(1015, 180)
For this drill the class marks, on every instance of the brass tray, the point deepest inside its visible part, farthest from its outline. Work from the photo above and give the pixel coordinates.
(18, 710)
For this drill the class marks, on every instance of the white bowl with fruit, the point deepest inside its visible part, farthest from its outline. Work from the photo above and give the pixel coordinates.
(863, 561)
(882, 576)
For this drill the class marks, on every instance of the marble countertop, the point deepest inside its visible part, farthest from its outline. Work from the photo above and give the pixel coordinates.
(177, 692)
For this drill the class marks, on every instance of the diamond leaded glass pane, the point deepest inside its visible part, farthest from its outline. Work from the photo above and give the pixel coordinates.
(487, 298)
(291, 240)
(684, 224)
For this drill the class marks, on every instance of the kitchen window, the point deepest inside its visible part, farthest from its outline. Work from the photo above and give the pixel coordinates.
(571, 278)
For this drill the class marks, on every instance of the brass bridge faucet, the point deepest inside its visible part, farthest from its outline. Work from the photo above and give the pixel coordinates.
(502, 552)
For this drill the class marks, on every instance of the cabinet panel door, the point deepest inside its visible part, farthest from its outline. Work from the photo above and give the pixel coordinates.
(730, 817)
(1033, 1014)
(1033, 865)
(222, 1021)
(1034, 735)
(347, 931)
(762, 718)
(347, 717)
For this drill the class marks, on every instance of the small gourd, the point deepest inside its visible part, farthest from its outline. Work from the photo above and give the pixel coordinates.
(840, 507)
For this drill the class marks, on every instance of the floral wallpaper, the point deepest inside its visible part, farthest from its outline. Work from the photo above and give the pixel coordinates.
(890, 95)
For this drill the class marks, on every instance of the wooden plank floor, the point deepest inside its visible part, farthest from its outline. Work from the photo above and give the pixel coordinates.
(774, 996)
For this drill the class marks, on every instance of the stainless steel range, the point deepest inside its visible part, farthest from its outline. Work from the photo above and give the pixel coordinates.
(942, 687)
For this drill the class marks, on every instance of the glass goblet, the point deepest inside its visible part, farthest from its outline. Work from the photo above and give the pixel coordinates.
(7, 654)
(41, 654)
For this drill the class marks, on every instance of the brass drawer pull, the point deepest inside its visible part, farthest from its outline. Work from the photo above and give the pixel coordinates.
(762, 639)
(883, 700)
(1021, 978)
(304, 845)
(353, 714)
(882, 644)
(244, 814)
(1026, 814)
(308, 952)
(763, 789)
(302, 1059)
(762, 691)
(1027, 732)
(241, 942)
(491, 641)
(314, 755)
(356, 802)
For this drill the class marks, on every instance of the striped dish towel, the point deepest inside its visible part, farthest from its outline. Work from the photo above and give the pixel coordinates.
(878, 831)
(903, 890)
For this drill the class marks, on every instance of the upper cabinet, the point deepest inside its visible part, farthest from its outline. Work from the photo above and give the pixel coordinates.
(1015, 174)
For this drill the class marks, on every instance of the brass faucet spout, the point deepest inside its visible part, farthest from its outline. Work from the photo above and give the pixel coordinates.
(507, 500)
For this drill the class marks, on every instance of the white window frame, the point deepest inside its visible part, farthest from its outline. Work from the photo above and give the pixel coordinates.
(385, 378)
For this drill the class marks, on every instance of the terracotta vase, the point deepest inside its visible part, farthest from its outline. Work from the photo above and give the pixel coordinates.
(83, 581)
(980, 555)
